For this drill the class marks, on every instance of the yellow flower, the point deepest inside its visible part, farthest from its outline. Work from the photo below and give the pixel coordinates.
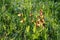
(19, 14)
(37, 23)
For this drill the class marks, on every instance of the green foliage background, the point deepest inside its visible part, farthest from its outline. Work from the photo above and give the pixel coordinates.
(12, 29)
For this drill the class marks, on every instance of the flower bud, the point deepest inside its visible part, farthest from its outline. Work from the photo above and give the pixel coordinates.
(20, 14)
(22, 21)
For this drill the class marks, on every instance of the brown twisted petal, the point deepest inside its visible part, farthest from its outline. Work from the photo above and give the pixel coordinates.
(42, 20)
(38, 23)
(44, 24)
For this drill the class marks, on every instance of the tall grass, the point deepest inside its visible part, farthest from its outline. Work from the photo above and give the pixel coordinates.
(18, 20)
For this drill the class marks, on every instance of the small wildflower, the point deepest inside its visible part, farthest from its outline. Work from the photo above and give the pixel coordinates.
(42, 20)
(41, 23)
(38, 23)
(20, 14)
(22, 21)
